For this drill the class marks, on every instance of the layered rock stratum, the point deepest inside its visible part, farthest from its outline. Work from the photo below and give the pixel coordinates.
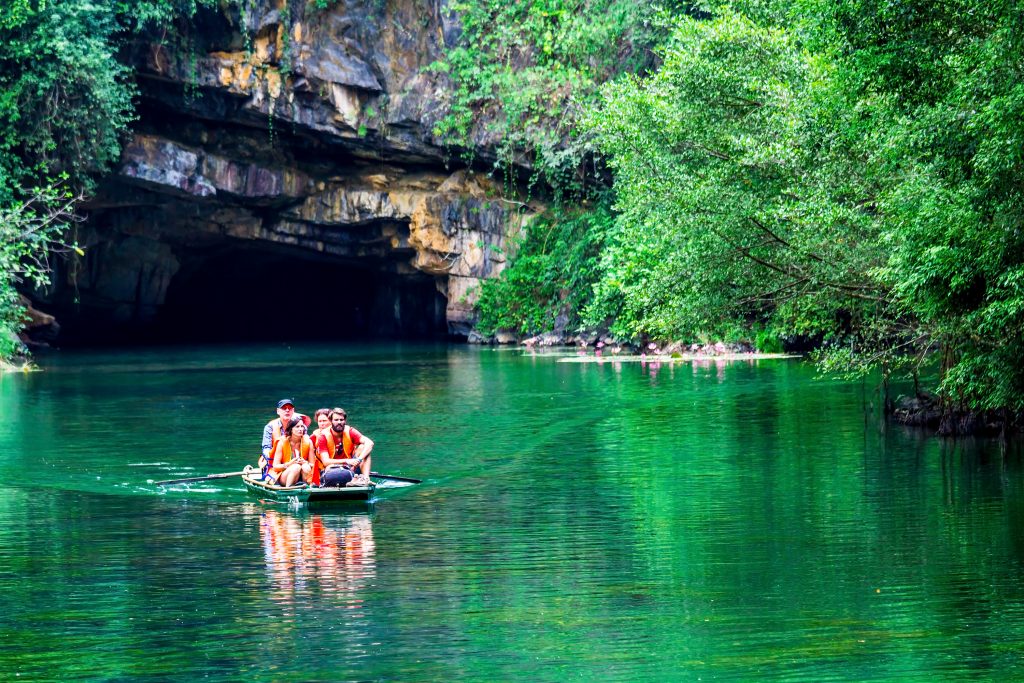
(279, 141)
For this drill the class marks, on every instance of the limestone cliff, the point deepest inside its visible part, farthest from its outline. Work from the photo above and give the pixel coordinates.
(279, 141)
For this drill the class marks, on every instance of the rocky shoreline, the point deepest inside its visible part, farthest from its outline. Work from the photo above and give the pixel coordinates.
(927, 411)
(607, 343)
(17, 364)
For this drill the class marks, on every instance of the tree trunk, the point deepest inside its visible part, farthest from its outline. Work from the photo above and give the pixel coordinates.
(948, 421)
(887, 403)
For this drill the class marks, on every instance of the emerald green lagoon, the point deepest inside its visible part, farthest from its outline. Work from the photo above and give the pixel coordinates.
(611, 521)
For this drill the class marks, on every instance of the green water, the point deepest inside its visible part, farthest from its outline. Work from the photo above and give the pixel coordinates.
(732, 521)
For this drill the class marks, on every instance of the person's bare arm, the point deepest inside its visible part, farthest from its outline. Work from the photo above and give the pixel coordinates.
(364, 448)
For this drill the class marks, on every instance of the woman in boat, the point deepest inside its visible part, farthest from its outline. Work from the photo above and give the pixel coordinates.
(293, 454)
(323, 423)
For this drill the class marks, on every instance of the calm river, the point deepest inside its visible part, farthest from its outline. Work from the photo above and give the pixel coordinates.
(585, 521)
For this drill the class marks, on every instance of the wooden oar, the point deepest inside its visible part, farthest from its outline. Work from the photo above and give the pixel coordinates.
(394, 478)
(224, 475)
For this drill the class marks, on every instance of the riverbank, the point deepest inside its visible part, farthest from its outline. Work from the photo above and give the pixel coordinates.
(599, 357)
(929, 412)
(925, 411)
(609, 345)
(19, 360)
(19, 364)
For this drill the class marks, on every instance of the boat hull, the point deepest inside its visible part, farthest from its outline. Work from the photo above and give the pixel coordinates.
(311, 495)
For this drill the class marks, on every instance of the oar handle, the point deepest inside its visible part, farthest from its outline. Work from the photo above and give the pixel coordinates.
(186, 480)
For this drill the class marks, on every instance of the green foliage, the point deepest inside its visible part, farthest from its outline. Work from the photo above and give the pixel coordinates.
(939, 84)
(767, 341)
(552, 275)
(737, 189)
(846, 171)
(843, 170)
(30, 232)
(955, 206)
(63, 98)
(523, 71)
(65, 101)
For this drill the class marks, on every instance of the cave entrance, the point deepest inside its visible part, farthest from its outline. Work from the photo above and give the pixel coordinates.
(254, 295)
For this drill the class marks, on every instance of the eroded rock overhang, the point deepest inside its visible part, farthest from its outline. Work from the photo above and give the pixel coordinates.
(289, 138)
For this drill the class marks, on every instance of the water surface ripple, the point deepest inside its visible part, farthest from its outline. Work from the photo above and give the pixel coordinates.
(586, 521)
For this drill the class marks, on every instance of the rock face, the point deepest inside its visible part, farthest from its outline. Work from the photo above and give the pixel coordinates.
(40, 328)
(281, 146)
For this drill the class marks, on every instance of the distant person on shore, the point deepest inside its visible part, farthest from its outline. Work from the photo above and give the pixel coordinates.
(293, 454)
(274, 430)
(344, 452)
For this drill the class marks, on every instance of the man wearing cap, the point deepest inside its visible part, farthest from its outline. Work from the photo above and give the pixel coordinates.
(272, 432)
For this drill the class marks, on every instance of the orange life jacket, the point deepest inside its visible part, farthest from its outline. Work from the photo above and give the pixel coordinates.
(279, 432)
(277, 437)
(266, 463)
(317, 465)
(286, 449)
(329, 433)
(347, 447)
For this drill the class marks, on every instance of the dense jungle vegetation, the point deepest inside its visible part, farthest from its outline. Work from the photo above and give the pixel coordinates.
(845, 172)
(65, 102)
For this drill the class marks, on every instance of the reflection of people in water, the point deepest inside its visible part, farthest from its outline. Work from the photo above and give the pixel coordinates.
(330, 555)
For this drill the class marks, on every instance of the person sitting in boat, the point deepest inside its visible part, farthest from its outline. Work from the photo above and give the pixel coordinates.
(323, 422)
(343, 452)
(272, 432)
(293, 454)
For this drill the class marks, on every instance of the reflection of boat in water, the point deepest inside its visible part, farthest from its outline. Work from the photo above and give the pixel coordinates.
(310, 495)
(320, 557)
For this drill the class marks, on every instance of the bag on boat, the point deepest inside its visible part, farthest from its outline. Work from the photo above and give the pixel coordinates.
(337, 476)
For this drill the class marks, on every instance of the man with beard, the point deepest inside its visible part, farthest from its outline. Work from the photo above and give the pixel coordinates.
(344, 452)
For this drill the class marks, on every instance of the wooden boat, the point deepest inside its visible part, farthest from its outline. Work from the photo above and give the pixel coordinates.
(306, 494)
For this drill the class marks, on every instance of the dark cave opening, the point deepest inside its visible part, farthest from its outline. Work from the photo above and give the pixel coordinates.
(260, 295)
(257, 295)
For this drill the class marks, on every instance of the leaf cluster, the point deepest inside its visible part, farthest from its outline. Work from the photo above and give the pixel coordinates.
(65, 99)
(735, 189)
(847, 171)
(31, 232)
(523, 71)
(552, 277)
